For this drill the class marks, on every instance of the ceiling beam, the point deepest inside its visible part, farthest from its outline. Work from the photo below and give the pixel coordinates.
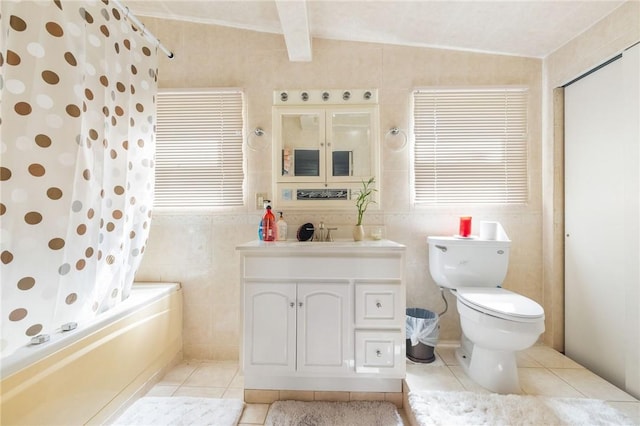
(295, 28)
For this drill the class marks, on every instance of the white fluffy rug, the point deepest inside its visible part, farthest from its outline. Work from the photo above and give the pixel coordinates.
(321, 413)
(181, 411)
(467, 408)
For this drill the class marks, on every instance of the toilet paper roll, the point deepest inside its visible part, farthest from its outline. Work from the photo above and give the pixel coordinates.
(488, 230)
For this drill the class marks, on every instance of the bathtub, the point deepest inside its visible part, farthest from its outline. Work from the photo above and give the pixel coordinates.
(86, 375)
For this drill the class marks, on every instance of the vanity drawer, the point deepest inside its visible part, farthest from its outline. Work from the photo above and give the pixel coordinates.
(379, 352)
(379, 304)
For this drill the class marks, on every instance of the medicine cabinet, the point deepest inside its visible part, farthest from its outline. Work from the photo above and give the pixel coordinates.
(325, 145)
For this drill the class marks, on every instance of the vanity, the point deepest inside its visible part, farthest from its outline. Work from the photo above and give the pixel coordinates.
(323, 316)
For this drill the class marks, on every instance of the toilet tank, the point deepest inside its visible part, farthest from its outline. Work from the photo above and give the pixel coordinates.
(472, 262)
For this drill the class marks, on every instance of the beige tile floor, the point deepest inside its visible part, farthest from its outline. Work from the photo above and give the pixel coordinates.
(543, 371)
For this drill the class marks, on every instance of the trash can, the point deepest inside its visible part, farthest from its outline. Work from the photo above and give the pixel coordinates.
(422, 330)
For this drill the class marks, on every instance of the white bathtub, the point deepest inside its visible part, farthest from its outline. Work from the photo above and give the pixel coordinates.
(85, 375)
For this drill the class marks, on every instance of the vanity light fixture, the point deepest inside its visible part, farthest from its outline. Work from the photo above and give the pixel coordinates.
(325, 96)
(284, 96)
(395, 139)
(367, 95)
(304, 96)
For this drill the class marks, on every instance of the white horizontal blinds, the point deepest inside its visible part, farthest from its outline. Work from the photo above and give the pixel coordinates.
(470, 146)
(199, 161)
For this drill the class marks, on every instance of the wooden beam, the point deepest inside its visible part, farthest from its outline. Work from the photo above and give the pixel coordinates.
(295, 28)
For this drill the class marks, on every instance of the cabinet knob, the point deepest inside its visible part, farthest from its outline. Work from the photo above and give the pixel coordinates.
(378, 305)
(292, 304)
(300, 304)
(378, 353)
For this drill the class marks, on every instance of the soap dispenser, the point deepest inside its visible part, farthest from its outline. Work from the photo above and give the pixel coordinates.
(282, 228)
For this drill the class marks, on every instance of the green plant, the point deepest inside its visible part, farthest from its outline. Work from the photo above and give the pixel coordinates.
(364, 198)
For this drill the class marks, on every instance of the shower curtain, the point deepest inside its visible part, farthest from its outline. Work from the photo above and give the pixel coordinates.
(77, 104)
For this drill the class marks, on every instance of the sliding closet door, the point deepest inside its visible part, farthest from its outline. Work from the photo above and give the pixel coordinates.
(602, 279)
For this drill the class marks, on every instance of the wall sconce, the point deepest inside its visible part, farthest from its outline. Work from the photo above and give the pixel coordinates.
(257, 140)
(395, 139)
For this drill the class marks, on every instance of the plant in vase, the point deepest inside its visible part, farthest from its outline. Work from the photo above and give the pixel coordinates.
(364, 197)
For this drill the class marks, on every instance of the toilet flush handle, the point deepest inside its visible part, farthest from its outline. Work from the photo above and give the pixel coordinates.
(443, 248)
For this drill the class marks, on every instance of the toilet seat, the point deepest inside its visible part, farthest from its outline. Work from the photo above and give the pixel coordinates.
(501, 303)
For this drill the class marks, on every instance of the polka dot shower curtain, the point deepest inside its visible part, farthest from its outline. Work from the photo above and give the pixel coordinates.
(77, 87)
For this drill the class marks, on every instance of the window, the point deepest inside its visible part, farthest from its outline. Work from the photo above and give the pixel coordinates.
(199, 161)
(470, 146)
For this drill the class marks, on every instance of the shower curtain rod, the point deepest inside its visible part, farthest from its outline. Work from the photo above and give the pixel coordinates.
(140, 26)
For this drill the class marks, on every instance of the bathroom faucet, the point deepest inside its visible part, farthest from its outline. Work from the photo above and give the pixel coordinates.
(321, 236)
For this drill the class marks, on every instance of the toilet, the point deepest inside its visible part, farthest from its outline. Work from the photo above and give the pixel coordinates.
(496, 323)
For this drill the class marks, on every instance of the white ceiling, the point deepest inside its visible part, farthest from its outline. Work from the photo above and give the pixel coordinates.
(517, 27)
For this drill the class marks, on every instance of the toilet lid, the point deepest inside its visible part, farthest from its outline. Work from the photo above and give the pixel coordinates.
(501, 303)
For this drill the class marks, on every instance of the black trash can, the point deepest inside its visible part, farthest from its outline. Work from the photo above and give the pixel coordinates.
(424, 325)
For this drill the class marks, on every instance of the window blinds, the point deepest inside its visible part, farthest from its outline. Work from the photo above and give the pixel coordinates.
(470, 146)
(199, 160)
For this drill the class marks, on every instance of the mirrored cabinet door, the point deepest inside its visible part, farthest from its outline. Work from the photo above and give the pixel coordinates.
(350, 144)
(301, 153)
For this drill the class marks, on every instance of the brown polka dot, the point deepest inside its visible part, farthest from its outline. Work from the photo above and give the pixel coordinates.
(81, 229)
(132, 234)
(88, 252)
(56, 243)
(50, 77)
(146, 51)
(58, 3)
(121, 87)
(71, 60)
(85, 15)
(88, 94)
(119, 190)
(33, 218)
(54, 193)
(125, 145)
(119, 111)
(134, 70)
(13, 58)
(36, 169)
(71, 298)
(34, 330)
(86, 174)
(104, 30)
(90, 213)
(99, 254)
(127, 44)
(80, 264)
(141, 143)
(104, 80)
(43, 141)
(93, 134)
(133, 89)
(117, 214)
(5, 174)
(54, 29)
(111, 226)
(18, 314)
(26, 283)
(22, 108)
(17, 23)
(110, 259)
(73, 110)
(6, 257)
(139, 107)
(113, 154)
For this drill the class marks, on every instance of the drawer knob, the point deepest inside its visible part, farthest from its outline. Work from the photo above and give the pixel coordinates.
(378, 353)
(378, 304)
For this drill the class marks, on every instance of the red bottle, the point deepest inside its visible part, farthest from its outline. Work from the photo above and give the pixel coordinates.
(269, 228)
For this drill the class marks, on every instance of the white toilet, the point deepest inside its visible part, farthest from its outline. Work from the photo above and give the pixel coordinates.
(496, 323)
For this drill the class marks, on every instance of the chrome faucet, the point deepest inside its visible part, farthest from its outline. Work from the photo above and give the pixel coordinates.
(321, 236)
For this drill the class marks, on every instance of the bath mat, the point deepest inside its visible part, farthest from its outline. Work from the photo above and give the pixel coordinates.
(181, 411)
(324, 413)
(464, 408)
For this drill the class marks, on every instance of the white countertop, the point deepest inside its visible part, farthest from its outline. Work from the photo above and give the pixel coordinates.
(310, 246)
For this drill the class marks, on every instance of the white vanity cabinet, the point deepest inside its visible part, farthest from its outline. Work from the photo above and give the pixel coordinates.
(323, 316)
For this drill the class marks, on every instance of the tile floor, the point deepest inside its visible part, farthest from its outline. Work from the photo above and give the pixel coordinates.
(543, 371)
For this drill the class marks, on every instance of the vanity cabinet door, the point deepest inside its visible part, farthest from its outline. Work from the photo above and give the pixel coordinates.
(324, 328)
(270, 327)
